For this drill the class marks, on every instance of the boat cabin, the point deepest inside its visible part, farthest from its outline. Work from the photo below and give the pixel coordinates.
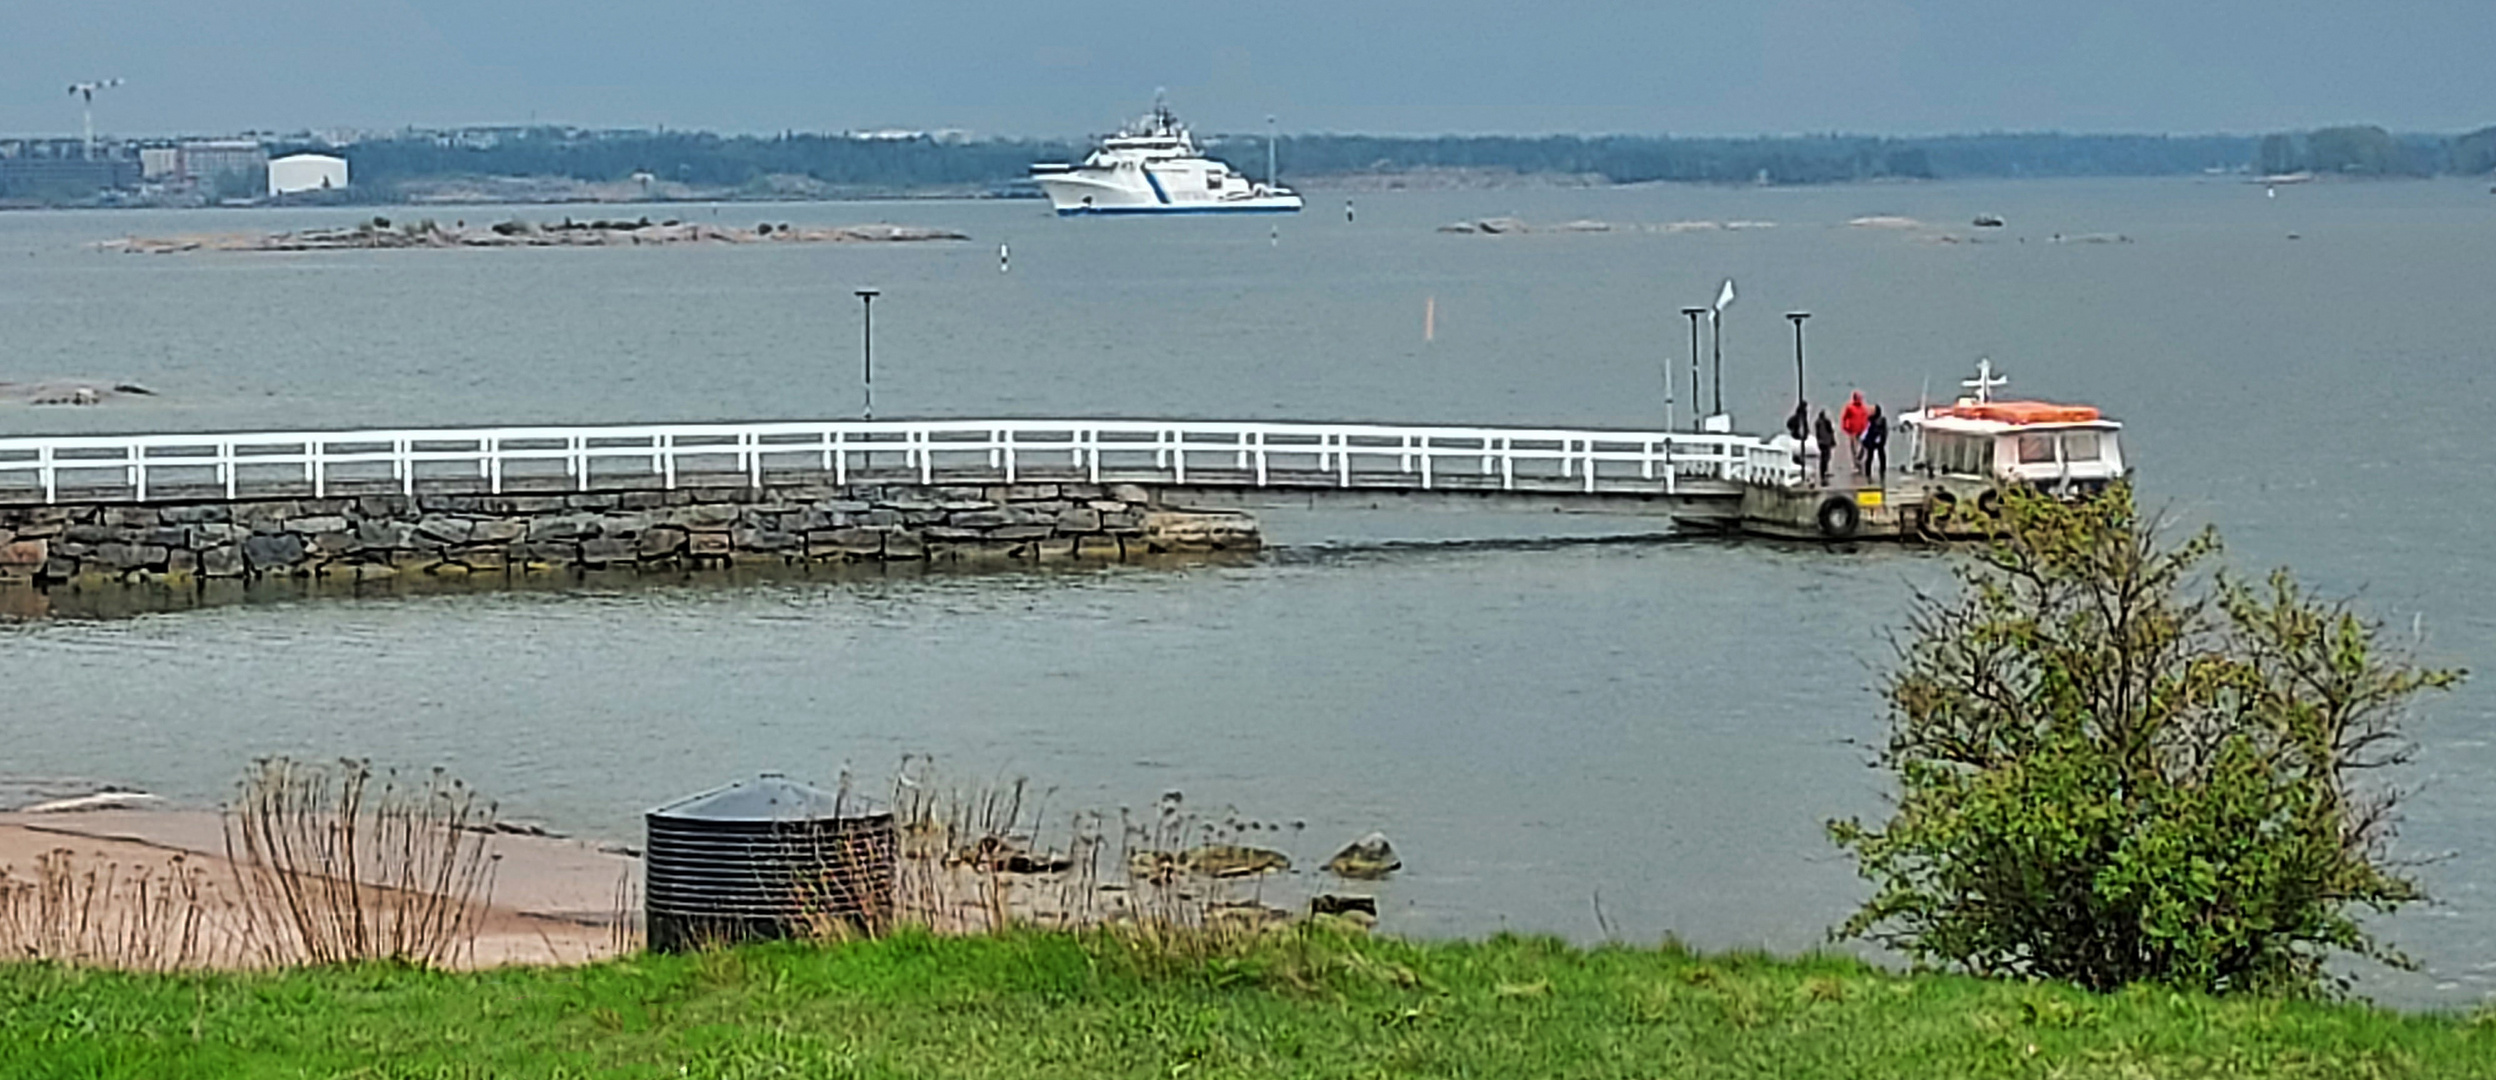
(2035, 443)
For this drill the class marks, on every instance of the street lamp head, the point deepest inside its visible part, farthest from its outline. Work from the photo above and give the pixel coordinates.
(869, 294)
(1798, 316)
(1694, 312)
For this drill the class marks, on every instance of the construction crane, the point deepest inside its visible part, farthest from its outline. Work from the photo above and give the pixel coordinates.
(85, 92)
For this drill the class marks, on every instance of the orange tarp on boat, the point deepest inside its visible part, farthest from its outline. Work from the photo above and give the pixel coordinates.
(2024, 412)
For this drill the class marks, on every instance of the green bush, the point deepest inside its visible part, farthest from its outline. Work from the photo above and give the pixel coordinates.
(2115, 767)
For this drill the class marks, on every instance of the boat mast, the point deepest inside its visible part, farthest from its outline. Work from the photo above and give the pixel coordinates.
(1270, 187)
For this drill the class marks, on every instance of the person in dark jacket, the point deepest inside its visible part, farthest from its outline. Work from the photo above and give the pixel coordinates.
(1825, 434)
(1876, 445)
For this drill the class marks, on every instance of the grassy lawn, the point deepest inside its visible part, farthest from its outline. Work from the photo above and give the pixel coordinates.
(1305, 1004)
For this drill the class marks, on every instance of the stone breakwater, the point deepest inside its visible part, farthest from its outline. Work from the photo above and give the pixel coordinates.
(382, 535)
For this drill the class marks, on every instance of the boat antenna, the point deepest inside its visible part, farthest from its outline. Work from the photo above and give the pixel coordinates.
(1985, 380)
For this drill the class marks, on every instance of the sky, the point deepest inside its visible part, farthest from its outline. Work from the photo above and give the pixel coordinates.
(1073, 67)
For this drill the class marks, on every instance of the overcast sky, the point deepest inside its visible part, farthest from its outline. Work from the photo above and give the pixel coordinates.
(1078, 66)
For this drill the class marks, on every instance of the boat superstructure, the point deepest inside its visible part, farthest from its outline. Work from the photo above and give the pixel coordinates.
(1154, 167)
(1959, 459)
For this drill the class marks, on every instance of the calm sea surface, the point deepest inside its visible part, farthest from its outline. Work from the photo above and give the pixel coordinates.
(1664, 723)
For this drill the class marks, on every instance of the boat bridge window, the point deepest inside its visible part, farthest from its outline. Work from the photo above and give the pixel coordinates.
(2080, 446)
(2036, 449)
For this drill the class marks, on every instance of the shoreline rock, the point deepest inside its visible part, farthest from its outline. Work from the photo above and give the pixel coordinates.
(380, 234)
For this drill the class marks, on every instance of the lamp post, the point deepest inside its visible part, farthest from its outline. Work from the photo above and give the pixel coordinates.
(1797, 317)
(1693, 313)
(866, 345)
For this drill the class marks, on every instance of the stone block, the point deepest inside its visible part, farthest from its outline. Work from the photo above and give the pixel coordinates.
(25, 554)
(1104, 548)
(210, 534)
(642, 500)
(845, 506)
(384, 506)
(903, 546)
(708, 543)
(857, 541)
(267, 517)
(623, 523)
(980, 519)
(949, 534)
(385, 535)
(1058, 549)
(1130, 493)
(750, 538)
(1020, 532)
(131, 517)
(1022, 492)
(60, 569)
(1123, 521)
(90, 534)
(221, 561)
(879, 518)
(498, 531)
(908, 501)
(266, 552)
(445, 529)
(704, 515)
(962, 493)
(166, 535)
(334, 543)
(484, 558)
(569, 527)
(659, 542)
(549, 552)
(317, 523)
(1080, 491)
(592, 501)
(196, 515)
(120, 556)
(524, 504)
(181, 562)
(1082, 520)
(607, 550)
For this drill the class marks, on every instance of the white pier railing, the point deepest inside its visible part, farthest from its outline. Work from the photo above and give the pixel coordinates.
(1247, 454)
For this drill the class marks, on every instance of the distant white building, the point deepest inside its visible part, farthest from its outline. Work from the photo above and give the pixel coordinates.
(160, 162)
(297, 173)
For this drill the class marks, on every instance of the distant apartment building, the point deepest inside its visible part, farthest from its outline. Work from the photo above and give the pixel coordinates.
(160, 163)
(237, 167)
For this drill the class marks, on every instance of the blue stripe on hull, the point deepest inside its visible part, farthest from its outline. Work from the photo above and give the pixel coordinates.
(1137, 211)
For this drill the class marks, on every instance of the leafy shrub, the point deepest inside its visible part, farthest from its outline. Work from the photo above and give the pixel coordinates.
(2115, 767)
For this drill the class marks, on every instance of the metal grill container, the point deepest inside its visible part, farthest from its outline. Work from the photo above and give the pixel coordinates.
(762, 859)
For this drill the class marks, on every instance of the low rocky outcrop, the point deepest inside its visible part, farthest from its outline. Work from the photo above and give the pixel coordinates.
(1369, 858)
(381, 234)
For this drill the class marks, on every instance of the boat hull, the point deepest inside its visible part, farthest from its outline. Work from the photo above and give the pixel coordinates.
(1076, 194)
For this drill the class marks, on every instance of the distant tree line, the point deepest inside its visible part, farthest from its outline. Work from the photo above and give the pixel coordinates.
(868, 165)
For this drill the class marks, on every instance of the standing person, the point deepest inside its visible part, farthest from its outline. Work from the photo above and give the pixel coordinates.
(1826, 434)
(1798, 428)
(1852, 422)
(1876, 445)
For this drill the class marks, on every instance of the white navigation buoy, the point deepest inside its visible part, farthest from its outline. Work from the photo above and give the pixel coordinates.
(1005, 259)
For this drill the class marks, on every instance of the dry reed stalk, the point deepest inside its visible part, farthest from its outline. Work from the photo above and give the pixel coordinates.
(331, 869)
(137, 917)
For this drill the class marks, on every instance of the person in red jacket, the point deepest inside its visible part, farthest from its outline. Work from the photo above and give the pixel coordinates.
(1856, 418)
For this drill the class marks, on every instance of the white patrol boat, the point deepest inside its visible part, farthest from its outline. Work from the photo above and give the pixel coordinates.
(1154, 167)
(1959, 458)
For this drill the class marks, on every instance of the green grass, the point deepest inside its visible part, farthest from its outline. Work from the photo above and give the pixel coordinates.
(1304, 1004)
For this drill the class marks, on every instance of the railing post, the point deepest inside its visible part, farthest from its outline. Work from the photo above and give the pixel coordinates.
(927, 459)
(406, 468)
(1423, 443)
(226, 468)
(1178, 455)
(1090, 452)
(1260, 437)
(753, 458)
(1006, 439)
(1508, 463)
(840, 458)
(138, 472)
(318, 469)
(1589, 445)
(51, 474)
(1343, 460)
(493, 463)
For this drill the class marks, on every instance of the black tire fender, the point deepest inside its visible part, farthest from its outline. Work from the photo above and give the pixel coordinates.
(1838, 517)
(1989, 504)
(1941, 507)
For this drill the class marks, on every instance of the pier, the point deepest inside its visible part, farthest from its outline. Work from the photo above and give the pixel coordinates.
(465, 500)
